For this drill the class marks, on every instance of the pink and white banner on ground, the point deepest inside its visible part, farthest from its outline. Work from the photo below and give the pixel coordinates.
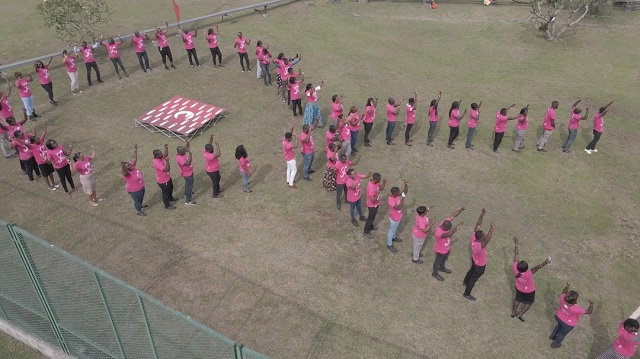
(180, 117)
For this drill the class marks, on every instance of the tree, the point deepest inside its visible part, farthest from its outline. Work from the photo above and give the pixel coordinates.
(73, 19)
(548, 22)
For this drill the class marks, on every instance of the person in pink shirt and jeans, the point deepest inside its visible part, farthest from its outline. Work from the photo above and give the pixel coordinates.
(626, 344)
(395, 202)
(184, 158)
(567, 315)
(598, 126)
(572, 126)
(137, 41)
(442, 244)
(134, 181)
(521, 129)
(354, 194)
(525, 285)
(548, 125)
(393, 109)
(474, 117)
(374, 187)
(22, 84)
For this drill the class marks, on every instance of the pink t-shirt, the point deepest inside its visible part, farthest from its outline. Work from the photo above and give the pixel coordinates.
(213, 40)
(134, 182)
(421, 223)
(138, 43)
(441, 244)
(307, 148)
(259, 50)
(598, 122)
(525, 282)
(569, 313)
(523, 123)
(83, 167)
(626, 343)
(43, 75)
(478, 254)
(211, 164)
(336, 110)
(354, 194)
(70, 64)
(332, 159)
(39, 152)
(411, 114)
(265, 59)
(312, 95)
(187, 39)
(112, 50)
(295, 91)
(369, 114)
(328, 139)
(6, 110)
(345, 132)
(23, 88)
(354, 124)
(433, 114)
(87, 54)
(473, 118)
(57, 157)
(185, 170)
(22, 145)
(288, 150)
(501, 123)
(161, 37)
(161, 176)
(574, 121)
(280, 68)
(394, 214)
(453, 118)
(372, 188)
(548, 117)
(391, 109)
(241, 43)
(244, 161)
(341, 171)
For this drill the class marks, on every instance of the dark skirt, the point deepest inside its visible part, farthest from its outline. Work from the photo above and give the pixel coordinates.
(525, 298)
(46, 169)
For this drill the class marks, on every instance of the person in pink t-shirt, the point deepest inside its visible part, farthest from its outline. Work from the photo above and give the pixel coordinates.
(312, 110)
(244, 166)
(525, 286)
(548, 125)
(454, 122)
(442, 244)
(374, 187)
(114, 53)
(329, 180)
(354, 194)
(22, 84)
(295, 92)
(479, 242)
(572, 126)
(342, 167)
(137, 41)
(369, 117)
(40, 154)
(411, 118)
(212, 39)
(474, 117)
(567, 315)
(521, 129)
(336, 108)
(331, 136)
(259, 58)
(265, 65)
(626, 344)
(72, 70)
(189, 45)
(344, 128)
(598, 126)
(395, 202)
(308, 149)
(82, 165)
(419, 232)
(241, 44)
(354, 127)
(290, 157)
(57, 156)
(212, 165)
(393, 109)
(163, 46)
(44, 78)
(163, 176)
(5, 108)
(20, 142)
(89, 60)
(134, 181)
(433, 118)
(501, 126)
(184, 158)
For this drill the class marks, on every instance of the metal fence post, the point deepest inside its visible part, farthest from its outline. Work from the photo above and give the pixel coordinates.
(106, 306)
(32, 272)
(146, 325)
(4, 314)
(239, 347)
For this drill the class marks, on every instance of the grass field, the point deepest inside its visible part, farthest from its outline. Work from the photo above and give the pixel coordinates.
(285, 272)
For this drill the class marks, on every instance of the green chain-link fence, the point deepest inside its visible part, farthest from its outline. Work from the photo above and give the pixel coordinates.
(89, 313)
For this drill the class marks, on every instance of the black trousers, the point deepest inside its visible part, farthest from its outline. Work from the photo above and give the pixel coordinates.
(373, 211)
(474, 273)
(296, 103)
(165, 52)
(596, 138)
(439, 262)
(191, 53)
(89, 66)
(49, 88)
(64, 174)
(30, 165)
(117, 62)
(215, 181)
(497, 140)
(167, 192)
(143, 55)
(216, 52)
(246, 59)
(339, 189)
(407, 132)
(453, 133)
(367, 130)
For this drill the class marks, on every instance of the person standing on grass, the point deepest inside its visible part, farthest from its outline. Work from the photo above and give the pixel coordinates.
(212, 39)
(189, 45)
(296, 93)
(138, 43)
(374, 187)
(134, 181)
(548, 125)
(567, 315)
(244, 166)
(241, 44)
(212, 165)
(369, 117)
(259, 49)
(184, 158)
(354, 194)
(525, 285)
(163, 46)
(345, 135)
(5, 108)
(40, 154)
(113, 51)
(44, 78)
(329, 180)
(626, 344)
(22, 84)
(479, 242)
(395, 202)
(393, 109)
(57, 156)
(5, 113)
(521, 128)
(342, 167)
(501, 126)
(598, 125)
(336, 108)
(442, 244)
(454, 122)
(474, 117)
(82, 165)
(89, 61)
(163, 176)
(354, 127)
(72, 70)
(20, 142)
(10, 129)
(312, 110)
(433, 118)
(265, 66)
(411, 118)
(290, 157)
(306, 141)
(419, 233)
(331, 136)
(572, 127)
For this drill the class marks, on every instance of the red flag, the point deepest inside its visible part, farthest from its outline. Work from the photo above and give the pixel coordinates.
(176, 9)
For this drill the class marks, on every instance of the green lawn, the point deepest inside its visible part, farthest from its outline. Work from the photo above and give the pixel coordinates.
(285, 272)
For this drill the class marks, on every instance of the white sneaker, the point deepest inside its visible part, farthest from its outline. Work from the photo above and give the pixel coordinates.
(587, 151)
(594, 150)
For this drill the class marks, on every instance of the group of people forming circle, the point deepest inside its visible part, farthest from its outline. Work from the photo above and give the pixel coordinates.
(43, 157)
